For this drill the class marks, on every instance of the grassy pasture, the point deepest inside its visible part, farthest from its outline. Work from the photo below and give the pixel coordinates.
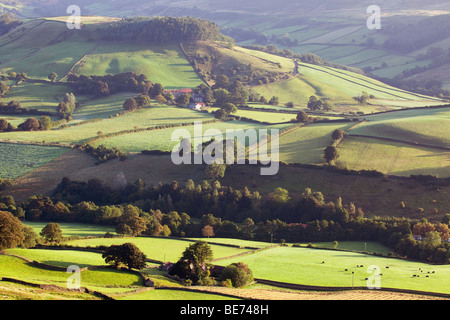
(306, 144)
(393, 158)
(17, 160)
(61, 258)
(161, 139)
(74, 229)
(105, 280)
(304, 266)
(41, 96)
(164, 64)
(425, 126)
(144, 118)
(162, 249)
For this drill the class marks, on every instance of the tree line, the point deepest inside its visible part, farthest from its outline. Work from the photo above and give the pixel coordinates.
(208, 209)
(163, 30)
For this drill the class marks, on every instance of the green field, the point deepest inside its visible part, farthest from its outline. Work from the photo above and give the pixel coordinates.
(425, 126)
(74, 229)
(161, 139)
(144, 118)
(307, 144)
(163, 64)
(161, 249)
(105, 280)
(17, 160)
(41, 96)
(61, 258)
(304, 266)
(393, 158)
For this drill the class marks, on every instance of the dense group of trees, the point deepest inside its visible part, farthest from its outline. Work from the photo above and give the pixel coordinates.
(32, 124)
(163, 30)
(102, 153)
(7, 22)
(316, 104)
(169, 209)
(102, 86)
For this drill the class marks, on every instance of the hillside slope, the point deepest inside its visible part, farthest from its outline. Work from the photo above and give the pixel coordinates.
(42, 46)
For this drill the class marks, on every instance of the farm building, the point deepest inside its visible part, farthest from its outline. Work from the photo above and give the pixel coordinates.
(196, 105)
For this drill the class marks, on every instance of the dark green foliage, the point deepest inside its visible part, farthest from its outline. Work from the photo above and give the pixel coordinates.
(102, 153)
(101, 86)
(11, 233)
(52, 232)
(162, 30)
(7, 22)
(193, 263)
(302, 116)
(127, 254)
(239, 274)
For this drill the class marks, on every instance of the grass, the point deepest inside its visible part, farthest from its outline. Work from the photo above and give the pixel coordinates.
(74, 229)
(164, 64)
(393, 158)
(108, 280)
(304, 266)
(17, 160)
(41, 96)
(162, 139)
(61, 258)
(144, 118)
(307, 144)
(426, 126)
(161, 249)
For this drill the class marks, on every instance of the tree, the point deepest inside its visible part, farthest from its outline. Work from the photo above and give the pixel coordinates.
(215, 171)
(11, 231)
(208, 231)
(274, 101)
(156, 90)
(182, 100)
(66, 108)
(222, 82)
(31, 124)
(52, 232)
(31, 238)
(330, 154)
(130, 105)
(238, 273)
(220, 114)
(363, 98)
(314, 103)
(144, 100)
(327, 106)
(229, 108)
(193, 262)
(52, 76)
(45, 123)
(337, 134)
(127, 254)
(302, 116)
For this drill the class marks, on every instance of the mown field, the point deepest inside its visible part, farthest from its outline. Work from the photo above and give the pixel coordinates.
(426, 126)
(17, 160)
(162, 139)
(393, 158)
(304, 266)
(145, 118)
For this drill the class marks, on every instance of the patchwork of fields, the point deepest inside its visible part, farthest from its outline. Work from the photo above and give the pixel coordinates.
(312, 266)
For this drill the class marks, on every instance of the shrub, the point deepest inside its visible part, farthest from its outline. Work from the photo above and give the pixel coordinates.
(238, 274)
